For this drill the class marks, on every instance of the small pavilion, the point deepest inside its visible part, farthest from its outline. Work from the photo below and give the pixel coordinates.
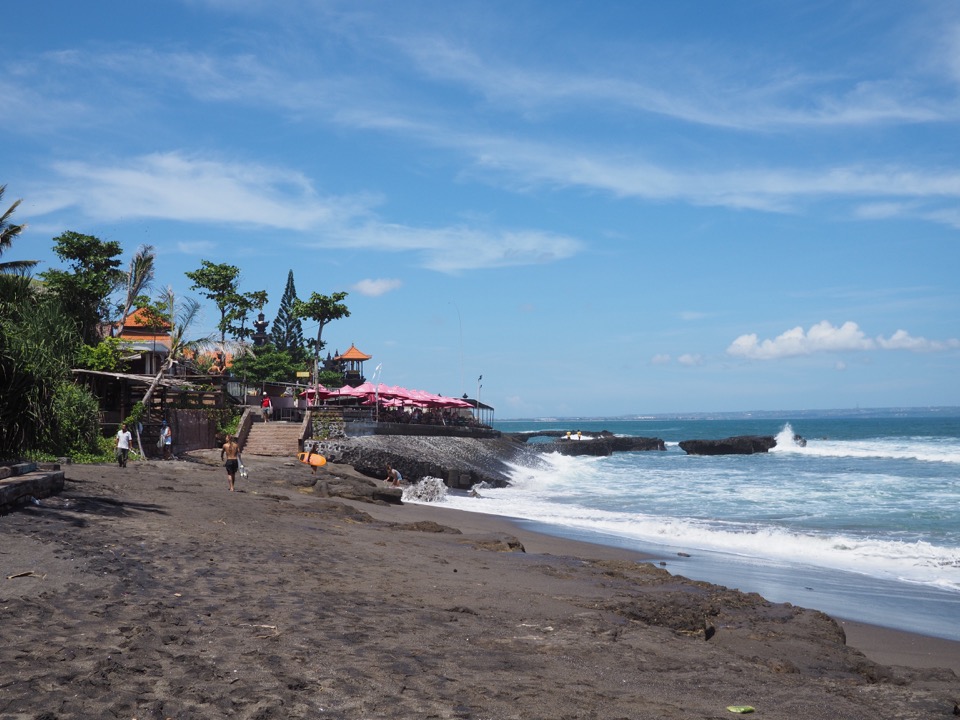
(352, 363)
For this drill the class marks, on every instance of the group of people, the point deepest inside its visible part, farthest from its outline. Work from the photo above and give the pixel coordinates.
(444, 416)
(124, 443)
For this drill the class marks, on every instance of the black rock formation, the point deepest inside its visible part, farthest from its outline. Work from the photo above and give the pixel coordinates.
(738, 445)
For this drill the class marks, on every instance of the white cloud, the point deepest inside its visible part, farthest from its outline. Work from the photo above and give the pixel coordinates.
(822, 337)
(690, 360)
(759, 188)
(902, 340)
(204, 248)
(825, 337)
(319, 97)
(695, 86)
(376, 288)
(454, 249)
(178, 187)
(660, 359)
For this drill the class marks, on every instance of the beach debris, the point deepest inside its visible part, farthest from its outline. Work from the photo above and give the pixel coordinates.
(275, 632)
(26, 573)
(742, 709)
(709, 629)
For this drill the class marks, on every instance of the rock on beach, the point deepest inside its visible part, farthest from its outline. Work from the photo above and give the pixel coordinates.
(460, 462)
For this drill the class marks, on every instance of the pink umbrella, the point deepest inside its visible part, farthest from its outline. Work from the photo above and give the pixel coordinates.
(319, 390)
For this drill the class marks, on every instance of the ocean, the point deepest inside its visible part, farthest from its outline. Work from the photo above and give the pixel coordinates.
(861, 522)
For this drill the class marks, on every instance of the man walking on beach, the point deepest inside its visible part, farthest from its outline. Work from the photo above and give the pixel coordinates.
(231, 451)
(124, 438)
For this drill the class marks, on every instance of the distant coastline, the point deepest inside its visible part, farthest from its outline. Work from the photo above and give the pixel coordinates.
(888, 412)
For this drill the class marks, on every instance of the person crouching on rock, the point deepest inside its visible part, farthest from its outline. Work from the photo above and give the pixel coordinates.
(231, 451)
(394, 478)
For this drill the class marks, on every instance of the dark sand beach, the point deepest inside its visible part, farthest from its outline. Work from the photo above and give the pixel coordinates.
(153, 592)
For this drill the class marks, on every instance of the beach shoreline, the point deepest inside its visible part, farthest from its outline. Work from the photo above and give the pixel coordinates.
(885, 645)
(154, 592)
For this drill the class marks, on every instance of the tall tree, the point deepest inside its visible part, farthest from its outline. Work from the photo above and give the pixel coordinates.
(323, 309)
(219, 282)
(138, 279)
(243, 303)
(8, 231)
(287, 332)
(181, 315)
(84, 291)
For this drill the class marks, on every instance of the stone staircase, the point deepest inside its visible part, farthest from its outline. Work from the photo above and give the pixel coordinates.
(273, 438)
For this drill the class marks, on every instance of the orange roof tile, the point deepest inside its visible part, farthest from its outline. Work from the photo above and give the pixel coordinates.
(138, 319)
(354, 354)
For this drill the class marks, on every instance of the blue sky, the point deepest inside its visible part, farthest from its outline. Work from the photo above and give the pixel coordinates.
(602, 208)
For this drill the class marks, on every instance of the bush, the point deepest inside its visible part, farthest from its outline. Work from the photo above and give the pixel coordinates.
(75, 427)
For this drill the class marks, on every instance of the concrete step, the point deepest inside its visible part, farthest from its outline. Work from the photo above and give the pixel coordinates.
(273, 438)
(34, 484)
(15, 469)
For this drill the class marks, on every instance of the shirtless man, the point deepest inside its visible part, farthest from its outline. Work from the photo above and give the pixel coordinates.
(231, 451)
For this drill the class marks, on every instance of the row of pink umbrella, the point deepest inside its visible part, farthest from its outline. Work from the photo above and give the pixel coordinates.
(386, 395)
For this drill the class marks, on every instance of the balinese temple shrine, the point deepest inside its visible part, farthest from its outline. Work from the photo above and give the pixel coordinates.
(352, 363)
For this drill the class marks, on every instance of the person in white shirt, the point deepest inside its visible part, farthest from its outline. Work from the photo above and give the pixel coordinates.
(124, 438)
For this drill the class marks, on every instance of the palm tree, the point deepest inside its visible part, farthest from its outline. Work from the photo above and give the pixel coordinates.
(8, 231)
(182, 315)
(139, 277)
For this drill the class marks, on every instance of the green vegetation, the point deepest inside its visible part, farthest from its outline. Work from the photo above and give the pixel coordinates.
(84, 291)
(287, 332)
(8, 231)
(328, 425)
(267, 364)
(323, 309)
(75, 429)
(69, 320)
(36, 349)
(220, 283)
(106, 356)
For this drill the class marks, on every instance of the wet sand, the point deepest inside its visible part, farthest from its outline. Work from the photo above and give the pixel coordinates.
(153, 592)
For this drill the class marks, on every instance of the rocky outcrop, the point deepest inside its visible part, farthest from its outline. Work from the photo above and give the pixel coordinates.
(601, 446)
(459, 462)
(596, 444)
(738, 445)
(636, 444)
